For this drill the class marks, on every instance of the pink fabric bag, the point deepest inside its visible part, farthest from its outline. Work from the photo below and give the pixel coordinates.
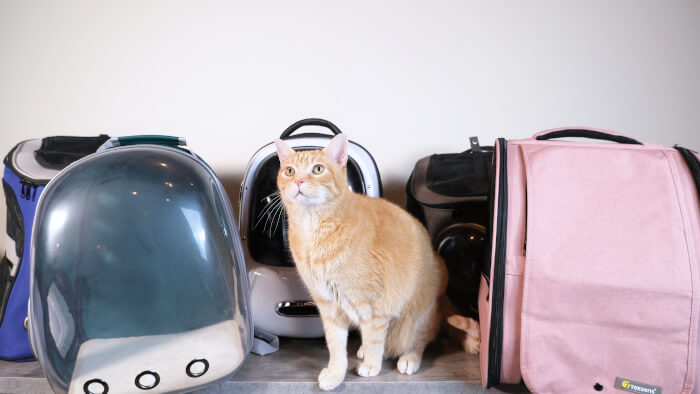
(593, 280)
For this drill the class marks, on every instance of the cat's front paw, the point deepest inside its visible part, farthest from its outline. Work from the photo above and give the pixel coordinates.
(368, 369)
(408, 364)
(329, 379)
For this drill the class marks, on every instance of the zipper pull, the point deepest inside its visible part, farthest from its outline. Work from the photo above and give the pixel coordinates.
(474, 142)
(22, 193)
(34, 193)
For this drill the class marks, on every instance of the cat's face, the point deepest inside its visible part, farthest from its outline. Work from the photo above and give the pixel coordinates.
(315, 177)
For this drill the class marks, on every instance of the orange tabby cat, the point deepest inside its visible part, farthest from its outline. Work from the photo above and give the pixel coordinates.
(366, 262)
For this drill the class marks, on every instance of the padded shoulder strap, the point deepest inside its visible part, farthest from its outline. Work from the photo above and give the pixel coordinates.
(693, 164)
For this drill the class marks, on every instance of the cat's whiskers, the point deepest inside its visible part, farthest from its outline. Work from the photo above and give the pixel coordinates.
(265, 211)
(279, 217)
(265, 214)
(273, 200)
(271, 217)
(272, 213)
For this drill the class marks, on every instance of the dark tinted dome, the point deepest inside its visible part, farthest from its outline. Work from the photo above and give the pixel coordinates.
(133, 242)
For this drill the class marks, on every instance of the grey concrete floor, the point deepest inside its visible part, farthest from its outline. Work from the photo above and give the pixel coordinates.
(446, 368)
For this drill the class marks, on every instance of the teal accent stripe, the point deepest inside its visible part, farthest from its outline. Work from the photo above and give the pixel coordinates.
(151, 139)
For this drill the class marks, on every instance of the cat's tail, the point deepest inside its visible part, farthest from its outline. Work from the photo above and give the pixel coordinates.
(446, 307)
(442, 266)
(414, 329)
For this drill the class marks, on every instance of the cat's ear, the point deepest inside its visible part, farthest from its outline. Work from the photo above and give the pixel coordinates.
(337, 149)
(284, 152)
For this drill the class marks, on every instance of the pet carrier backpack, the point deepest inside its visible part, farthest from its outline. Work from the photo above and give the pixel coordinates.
(138, 280)
(448, 194)
(28, 168)
(280, 303)
(592, 282)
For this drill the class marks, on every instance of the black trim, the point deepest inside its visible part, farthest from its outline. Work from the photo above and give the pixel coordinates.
(486, 266)
(22, 358)
(308, 135)
(376, 169)
(8, 164)
(143, 386)
(15, 219)
(191, 374)
(59, 151)
(15, 230)
(84, 151)
(99, 381)
(6, 283)
(499, 270)
(583, 133)
(310, 122)
(693, 165)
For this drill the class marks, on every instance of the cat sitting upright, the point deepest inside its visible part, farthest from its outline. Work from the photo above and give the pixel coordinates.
(366, 262)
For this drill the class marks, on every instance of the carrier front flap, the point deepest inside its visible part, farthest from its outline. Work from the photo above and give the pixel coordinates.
(609, 272)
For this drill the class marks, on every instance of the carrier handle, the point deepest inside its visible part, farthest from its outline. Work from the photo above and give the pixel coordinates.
(310, 122)
(586, 133)
(58, 151)
(165, 140)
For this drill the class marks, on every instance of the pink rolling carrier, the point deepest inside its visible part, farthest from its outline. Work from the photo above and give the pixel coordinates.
(592, 283)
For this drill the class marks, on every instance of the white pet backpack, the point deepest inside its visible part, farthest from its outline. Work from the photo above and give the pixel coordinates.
(280, 304)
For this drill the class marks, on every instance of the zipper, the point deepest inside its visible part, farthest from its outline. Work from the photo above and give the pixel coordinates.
(498, 282)
(28, 189)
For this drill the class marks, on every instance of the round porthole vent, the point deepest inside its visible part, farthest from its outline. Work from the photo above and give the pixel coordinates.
(147, 380)
(96, 386)
(197, 368)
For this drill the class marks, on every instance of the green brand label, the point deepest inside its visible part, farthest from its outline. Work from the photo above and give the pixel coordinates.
(636, 387)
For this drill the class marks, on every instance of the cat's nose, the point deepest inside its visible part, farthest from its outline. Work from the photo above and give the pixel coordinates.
(298, 181)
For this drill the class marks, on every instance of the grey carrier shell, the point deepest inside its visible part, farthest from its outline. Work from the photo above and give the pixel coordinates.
(280, 303)
(138, 279)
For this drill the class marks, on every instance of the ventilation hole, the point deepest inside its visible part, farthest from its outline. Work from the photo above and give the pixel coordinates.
(96, 386)
(297, 308)
(197, 368)
(147, 380)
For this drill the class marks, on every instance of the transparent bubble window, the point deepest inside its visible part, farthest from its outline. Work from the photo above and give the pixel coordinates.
(135, 242)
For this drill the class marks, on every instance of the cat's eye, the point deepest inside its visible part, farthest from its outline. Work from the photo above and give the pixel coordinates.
(318, 169)
(289, 171)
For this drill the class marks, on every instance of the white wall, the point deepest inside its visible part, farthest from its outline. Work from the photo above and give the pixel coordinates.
(403, 78)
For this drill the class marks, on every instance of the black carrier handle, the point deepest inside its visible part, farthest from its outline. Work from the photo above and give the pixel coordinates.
(59, 151)
(586, 133)
(310, 122)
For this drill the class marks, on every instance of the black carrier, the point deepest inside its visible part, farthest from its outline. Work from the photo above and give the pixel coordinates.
(448, 193)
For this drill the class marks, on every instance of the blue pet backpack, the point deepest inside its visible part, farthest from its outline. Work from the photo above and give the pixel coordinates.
(28, 168)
